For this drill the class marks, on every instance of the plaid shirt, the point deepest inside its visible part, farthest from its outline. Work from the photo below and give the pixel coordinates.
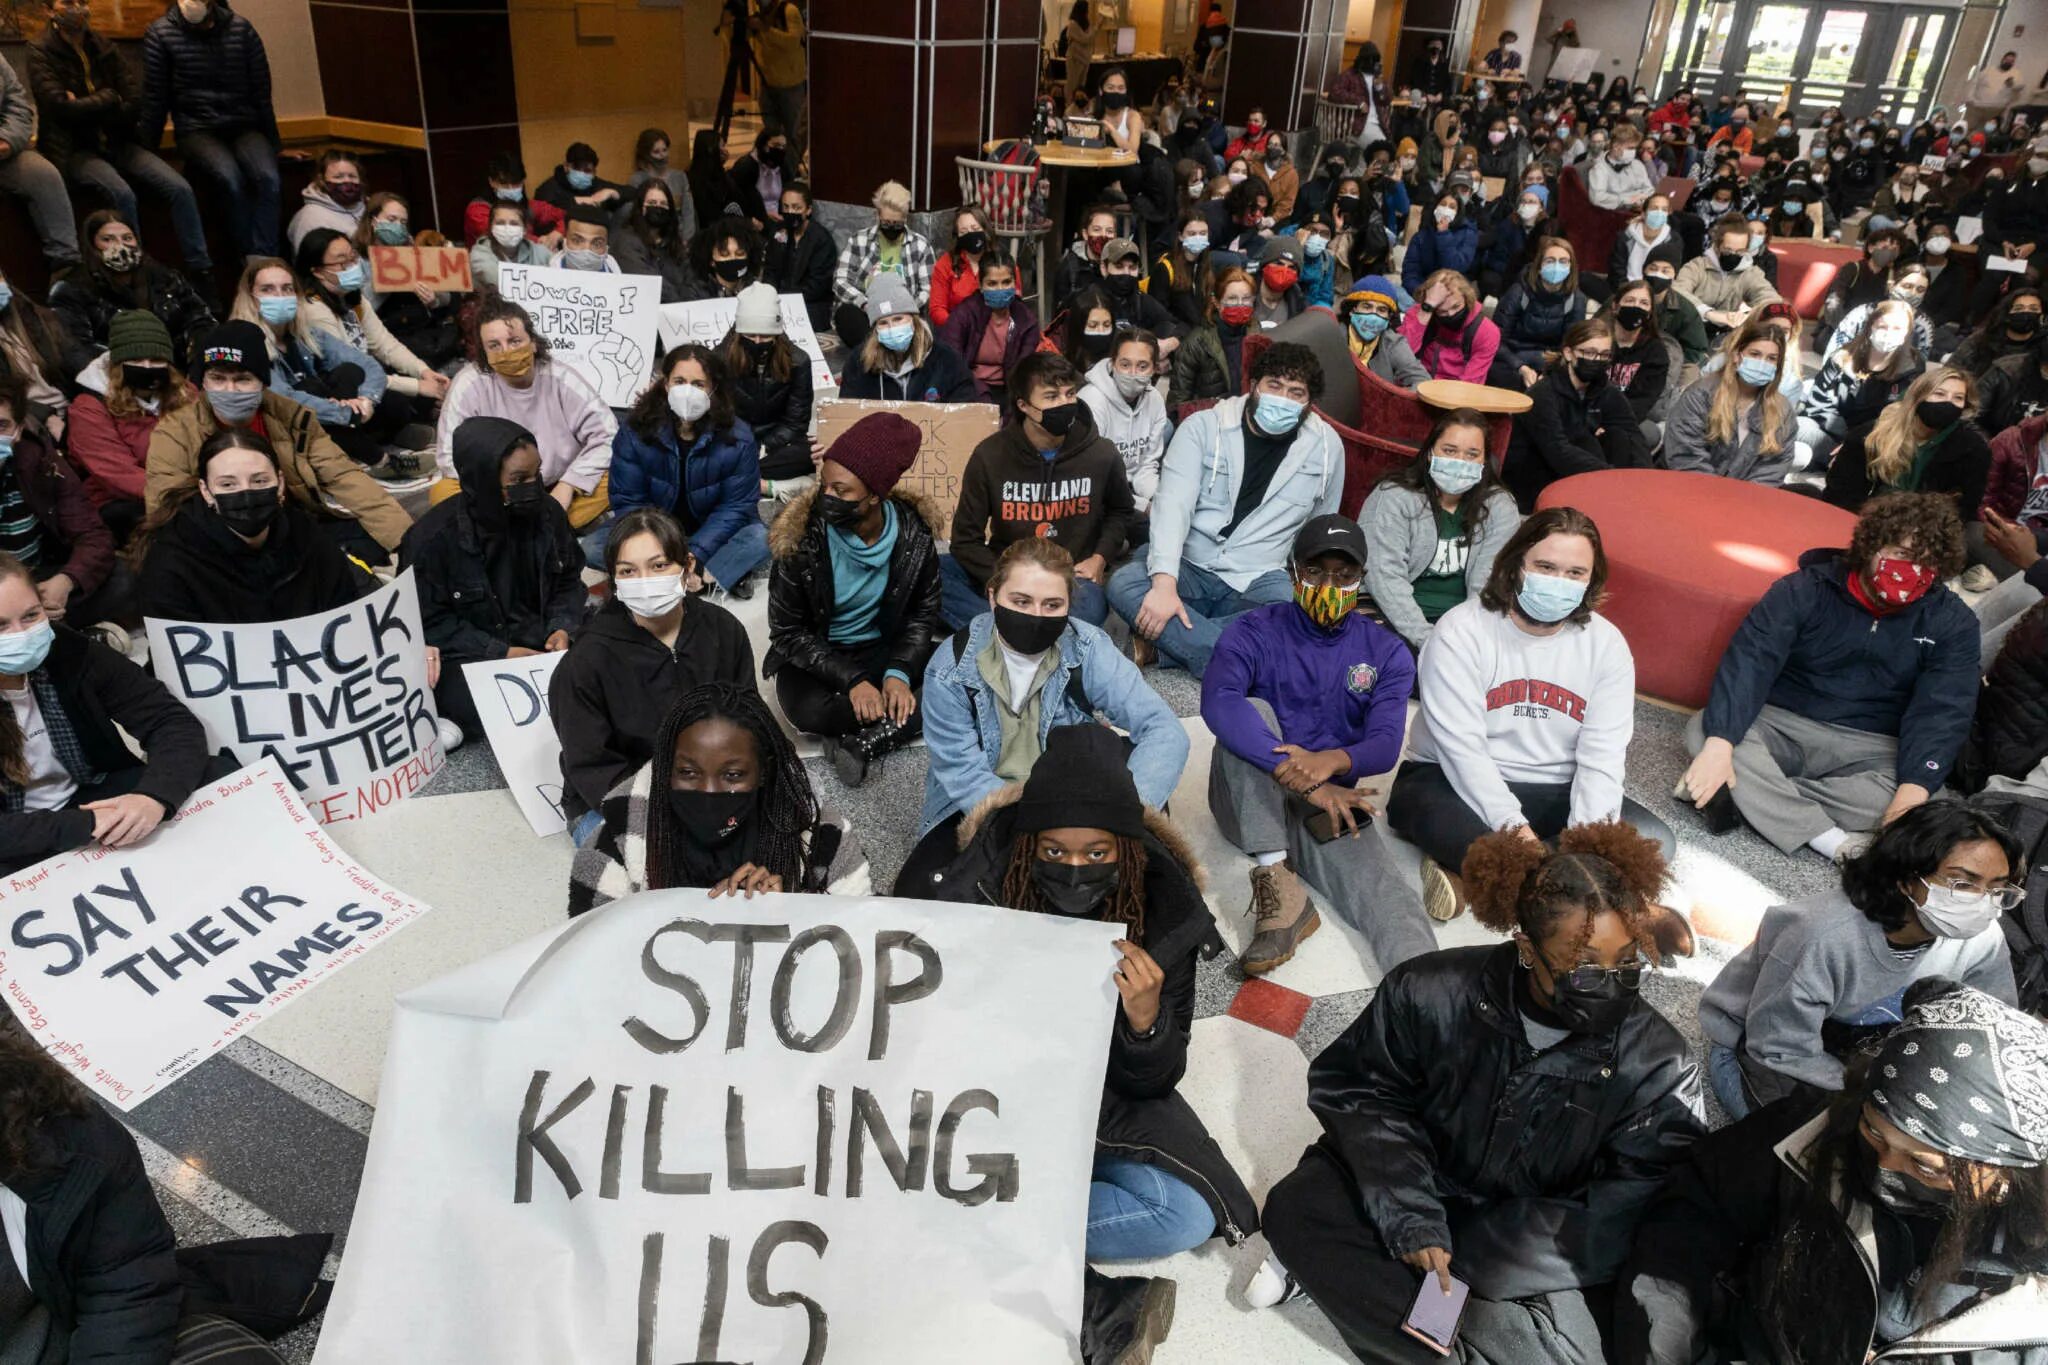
(863, 252)
(63, 743)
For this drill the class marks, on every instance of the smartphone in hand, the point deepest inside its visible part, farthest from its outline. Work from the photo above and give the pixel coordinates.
(1323, 826)
(1433, 1320)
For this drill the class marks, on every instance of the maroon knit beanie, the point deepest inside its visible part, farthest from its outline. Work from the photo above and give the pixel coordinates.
(877, 450)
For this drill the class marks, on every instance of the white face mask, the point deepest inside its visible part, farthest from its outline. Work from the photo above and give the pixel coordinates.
(193, 10)
(507, 235)
(688, 402)
(1951, 916)
(649, 597)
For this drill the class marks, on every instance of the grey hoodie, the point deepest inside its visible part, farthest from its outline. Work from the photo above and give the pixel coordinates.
(1138, 431)
(1401, 543)
(17, 110)
(1686, 445)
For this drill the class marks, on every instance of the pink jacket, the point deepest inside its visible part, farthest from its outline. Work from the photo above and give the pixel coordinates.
(108, 450)
(1467, 355)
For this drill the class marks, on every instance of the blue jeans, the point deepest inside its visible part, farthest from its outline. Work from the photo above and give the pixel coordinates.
(27, 175)
(586, 827)
(125, 166)
(1211, 604)
(959, 603)
(1724, 1073)
(1138, 1212)
(243, 166)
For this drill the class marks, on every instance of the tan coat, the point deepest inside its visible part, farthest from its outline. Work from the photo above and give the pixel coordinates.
(325, 481)
(402, 369)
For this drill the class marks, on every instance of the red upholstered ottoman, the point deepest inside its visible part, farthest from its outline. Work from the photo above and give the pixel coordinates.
(1687, 556)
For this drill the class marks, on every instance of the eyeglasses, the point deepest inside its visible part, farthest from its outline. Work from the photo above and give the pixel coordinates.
(1590, 976)
(1333, 578)
(2004, 897)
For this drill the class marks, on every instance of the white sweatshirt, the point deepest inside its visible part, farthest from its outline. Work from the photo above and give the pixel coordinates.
(1500, 705)
(1138, 432)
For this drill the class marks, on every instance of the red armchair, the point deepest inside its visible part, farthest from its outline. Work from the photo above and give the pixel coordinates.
(1807, 269)
(1591, 229)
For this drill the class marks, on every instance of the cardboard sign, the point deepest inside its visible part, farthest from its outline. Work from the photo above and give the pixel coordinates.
(131, 966)
(792, 1128)
(707, 321)
(443, 269)
(511, 696)
(339, 700)
(603, 325)
(951, 432)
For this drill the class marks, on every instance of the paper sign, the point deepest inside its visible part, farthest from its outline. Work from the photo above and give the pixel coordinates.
(791, 1128)
(1575, 65)
(131, 966)
(339, 700)
(951, 432)
(2011, 263)
(1969, 228)
(1933, 163)
(511, 696)
(601, 324)
(707, 321)
(444, 269)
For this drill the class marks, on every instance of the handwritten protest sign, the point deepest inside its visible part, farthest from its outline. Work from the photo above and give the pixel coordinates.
(131, 966)
(511, 696)
(443, 269)
(706, 322)
(951, 432)
(792, 1128)
(601, 324)
(338, 699)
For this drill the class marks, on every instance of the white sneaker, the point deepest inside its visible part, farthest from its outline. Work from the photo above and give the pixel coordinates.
(451, 734)
(1272, 1286)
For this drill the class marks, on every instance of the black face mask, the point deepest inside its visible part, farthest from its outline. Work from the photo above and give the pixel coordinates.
(893, 231)
(1028, 634)
(731, 270)
(793, 223)
(1350, 205)
(1658, 283)
(144, 379)
(1116, 99)
(1122, 288)
(758, 353)
(1730, 260)
(659, 217)
(1936, 415)
(1895, 1190)
(709, 819)
(1060, 418)
(771, 156)
(972, 242)
(838, 511)
(2023, 324)
(1595, 1011)
(1074, 891)
(1631, 317)
(1592, 373)
(1449, 317)
(248, 511)
(523, 500)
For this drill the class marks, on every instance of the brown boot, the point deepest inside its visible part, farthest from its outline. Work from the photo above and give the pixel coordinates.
(1282, 915)
(1143, 652)
(1442, 898)
(1670, 932)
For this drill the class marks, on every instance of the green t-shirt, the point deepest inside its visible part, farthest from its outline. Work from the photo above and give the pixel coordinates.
(1442, 584)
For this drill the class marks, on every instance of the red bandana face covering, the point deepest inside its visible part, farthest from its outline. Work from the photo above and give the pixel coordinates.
(1899, 582)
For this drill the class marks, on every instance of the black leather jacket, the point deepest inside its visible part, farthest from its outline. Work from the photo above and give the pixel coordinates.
(800, 594)
(1530, 1167)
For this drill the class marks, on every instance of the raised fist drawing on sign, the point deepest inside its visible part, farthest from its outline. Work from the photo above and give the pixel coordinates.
(625, 362)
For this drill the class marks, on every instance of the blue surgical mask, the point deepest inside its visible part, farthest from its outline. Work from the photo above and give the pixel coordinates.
(1753, 371)
(1194, 245)
(1276, 415)
(1756, 242)
(999, 298)
(390, 232)
(1314, 246)
(6, 296)
(1368, 325)
(351, 278)
(579, 181)
(896, 338)
(1791, 208)
(1547, 599)
(1453, 475)
(1554, 272)
(511, 194)
(277, 310)
(1655, 219)
(6, 449)
(23, 651)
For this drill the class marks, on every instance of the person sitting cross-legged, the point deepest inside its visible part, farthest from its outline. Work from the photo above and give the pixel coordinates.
(1308, 699)
(1846, 693)
(1239, 481)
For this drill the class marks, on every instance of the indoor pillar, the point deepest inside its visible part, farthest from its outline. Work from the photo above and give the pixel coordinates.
(1283, 53)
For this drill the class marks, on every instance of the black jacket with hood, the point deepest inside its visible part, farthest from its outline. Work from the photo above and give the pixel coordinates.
(1143, 1117)
(1530, 1167)
(802, 595)
(199, 570)
(779, 410)
(462, 601)
(2009, 728)
(1082, 497)
(102, 89)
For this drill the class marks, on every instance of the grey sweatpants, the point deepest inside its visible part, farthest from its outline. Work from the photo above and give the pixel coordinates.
(1997, 612)
(1797, 778)
(1355, 875)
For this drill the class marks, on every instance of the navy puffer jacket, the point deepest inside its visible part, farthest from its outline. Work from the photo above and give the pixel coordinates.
(208, 78)
(714, 492)
(1533, 321)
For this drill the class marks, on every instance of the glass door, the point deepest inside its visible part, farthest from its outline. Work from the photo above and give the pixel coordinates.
(1808, 56)
(1697, 49)
(1918, 54)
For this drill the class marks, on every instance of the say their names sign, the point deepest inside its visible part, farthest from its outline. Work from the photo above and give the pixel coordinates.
(131, 966)
(951, 431)
(601, 324)
(511, 698)
(338, 700)
(791, 1128)
(443, 269)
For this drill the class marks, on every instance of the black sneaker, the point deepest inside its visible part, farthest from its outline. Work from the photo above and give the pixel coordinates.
(1123, 1319)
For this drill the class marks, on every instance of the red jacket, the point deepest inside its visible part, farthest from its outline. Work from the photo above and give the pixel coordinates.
(476, 219)
(949, 290)
(76, 543)
(2014, 455)
(1671, 111)
(109, 451)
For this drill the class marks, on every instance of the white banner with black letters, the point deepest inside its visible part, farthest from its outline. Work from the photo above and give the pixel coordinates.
(511, 697)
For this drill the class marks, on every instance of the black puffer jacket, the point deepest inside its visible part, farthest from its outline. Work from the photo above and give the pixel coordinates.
(100, 110)
(86, 299)
(779, 410)
(806, 270)
(212, 77)
(801, 593)
(2009, 732)
(1143, 1117)
(1531, 1168)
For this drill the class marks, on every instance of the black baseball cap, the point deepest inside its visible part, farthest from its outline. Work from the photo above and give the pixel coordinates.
(1332, 534)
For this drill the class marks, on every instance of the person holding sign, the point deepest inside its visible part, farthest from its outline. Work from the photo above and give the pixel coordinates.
(1408, 1195)
(853, 598)
(334, 281)
(67, 777)
(643, 649)
(499, 571)
(771, 385)
(685, 451)
(733, 813)
(902, 358)
(1075, 840)
(514, 377)
(586, 241)
(650, 241)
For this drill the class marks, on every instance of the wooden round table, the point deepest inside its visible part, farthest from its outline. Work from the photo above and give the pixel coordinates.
(1456, 393)
(1056, 158)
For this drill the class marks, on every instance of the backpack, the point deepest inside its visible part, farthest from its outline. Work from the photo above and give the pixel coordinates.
(2026, 924)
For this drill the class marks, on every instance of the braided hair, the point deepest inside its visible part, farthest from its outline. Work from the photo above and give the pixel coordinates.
(787, 807)
(1125, 906)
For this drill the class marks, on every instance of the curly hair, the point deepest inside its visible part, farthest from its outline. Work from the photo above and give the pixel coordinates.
(32, 1088)
(495, 307)
(1516, 883)
(1126, 905)
(1925, 523)
(651, 416)
(1912, 848)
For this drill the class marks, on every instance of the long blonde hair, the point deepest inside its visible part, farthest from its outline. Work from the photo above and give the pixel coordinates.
(1889, 449)
(245, 309)
(1725, 414)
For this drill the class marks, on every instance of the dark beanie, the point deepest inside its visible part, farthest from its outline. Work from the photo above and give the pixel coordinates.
(236, 345)
(137, 335)
(877, 450)
(1081, 782)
